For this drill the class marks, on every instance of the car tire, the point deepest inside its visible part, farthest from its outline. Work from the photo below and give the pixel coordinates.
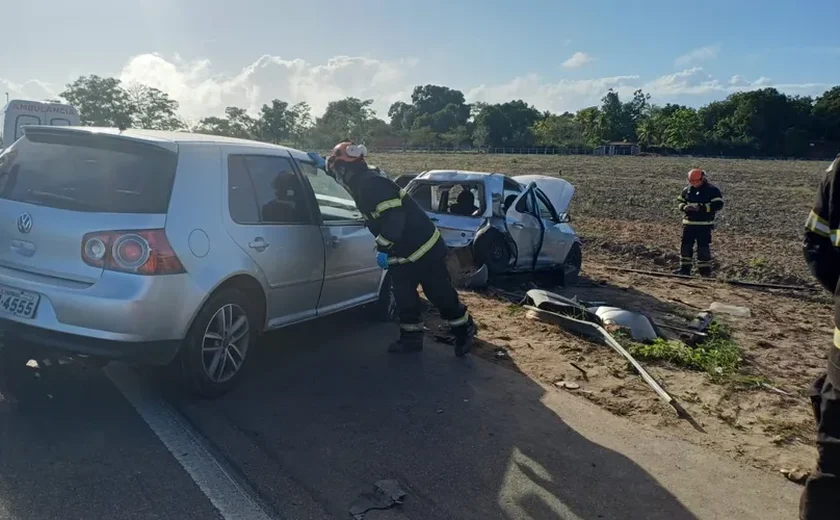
(490, 249)
(385, 308)
(217, 350)
(571, 267)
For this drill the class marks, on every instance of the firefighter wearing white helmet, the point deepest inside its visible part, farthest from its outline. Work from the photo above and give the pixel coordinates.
(409, 246)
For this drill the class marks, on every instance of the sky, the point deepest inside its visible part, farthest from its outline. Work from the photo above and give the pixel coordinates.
(556, 55)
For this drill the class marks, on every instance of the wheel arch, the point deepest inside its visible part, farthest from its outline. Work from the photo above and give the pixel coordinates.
(245, 282)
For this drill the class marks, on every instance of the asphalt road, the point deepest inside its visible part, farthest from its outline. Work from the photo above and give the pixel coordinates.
(323, 415)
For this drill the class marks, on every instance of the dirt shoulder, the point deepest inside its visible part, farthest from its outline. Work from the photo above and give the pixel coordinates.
(783, 345)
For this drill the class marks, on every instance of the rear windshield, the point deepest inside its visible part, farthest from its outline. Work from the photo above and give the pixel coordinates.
(87, 173)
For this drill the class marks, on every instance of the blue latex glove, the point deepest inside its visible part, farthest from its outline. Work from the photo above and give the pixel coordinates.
(382, 259)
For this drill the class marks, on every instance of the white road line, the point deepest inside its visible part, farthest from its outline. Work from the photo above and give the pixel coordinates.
(211, 477)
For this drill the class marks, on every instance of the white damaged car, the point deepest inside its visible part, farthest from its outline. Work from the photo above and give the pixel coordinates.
(510, 224)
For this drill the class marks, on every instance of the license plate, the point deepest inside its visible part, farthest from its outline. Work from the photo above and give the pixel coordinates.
(18, 303)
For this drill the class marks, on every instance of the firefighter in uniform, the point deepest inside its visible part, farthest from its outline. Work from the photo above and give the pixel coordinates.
(821, 498)
(698, 202)
(409, 246)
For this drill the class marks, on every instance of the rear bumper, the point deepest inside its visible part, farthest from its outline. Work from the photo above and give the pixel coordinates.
(20, 335)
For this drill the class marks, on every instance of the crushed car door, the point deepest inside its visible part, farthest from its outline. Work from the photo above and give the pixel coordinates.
(525, 228)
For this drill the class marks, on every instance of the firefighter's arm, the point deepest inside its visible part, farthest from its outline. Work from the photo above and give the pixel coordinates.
(821, 240)
(683, 203)
(716, 202)
(391, 215)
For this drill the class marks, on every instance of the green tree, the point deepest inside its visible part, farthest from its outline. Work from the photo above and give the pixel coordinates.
(153, 109)
(683, 129)
(558, 130)
(349, 118)
(236, 123)
(300, 122)
(273, 123)
(100, 101)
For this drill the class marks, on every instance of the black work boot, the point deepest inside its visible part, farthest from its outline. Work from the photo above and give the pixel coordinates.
(408, 342)
(464, 338)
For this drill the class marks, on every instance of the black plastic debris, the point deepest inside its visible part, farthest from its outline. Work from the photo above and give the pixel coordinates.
(385, 495)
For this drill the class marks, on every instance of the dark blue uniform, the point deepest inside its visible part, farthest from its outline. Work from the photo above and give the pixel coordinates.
(821, 498)
(417, 256)
(699, 206)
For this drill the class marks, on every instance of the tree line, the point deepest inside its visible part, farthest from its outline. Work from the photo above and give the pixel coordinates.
(761, 122)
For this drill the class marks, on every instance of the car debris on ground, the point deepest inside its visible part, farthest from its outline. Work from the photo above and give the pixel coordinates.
(574, 316)
(385, 495)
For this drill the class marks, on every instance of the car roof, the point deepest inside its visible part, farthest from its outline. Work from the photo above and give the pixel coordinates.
(456, 175)
(163, 137)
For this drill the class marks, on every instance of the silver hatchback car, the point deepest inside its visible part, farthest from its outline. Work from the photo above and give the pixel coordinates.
(160, 247)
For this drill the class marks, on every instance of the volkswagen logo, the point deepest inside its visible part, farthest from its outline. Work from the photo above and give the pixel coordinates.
(24, 223)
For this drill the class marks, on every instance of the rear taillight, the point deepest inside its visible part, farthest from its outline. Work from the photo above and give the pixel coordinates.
(146, 252)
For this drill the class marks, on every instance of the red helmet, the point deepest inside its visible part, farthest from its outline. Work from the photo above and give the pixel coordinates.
(346, 152)
(696, 177)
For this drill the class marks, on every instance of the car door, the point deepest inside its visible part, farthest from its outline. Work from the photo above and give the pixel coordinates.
(271, 220)
(557, 240)
(524, 228)
(351, 274)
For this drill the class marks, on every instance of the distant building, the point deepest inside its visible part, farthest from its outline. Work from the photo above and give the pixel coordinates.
(617, 148)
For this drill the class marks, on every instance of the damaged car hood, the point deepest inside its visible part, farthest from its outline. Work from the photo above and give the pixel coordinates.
(559, 191)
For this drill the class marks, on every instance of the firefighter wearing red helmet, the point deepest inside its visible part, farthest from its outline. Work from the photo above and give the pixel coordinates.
(699, 202)
(409, 245)
(821, 498)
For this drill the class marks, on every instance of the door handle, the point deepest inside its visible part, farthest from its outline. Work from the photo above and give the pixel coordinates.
(259, 244)
(518, 225)
(434, 219)
(334, 241)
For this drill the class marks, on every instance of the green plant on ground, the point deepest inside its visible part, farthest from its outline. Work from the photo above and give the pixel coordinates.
(718, 355)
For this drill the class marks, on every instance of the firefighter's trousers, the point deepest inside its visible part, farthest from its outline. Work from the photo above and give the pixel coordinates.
(430, 273)
(702, 236)
(821, 498)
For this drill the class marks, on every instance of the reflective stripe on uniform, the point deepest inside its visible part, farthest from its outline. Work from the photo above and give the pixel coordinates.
(708, 208)
(708, 263)
(382, 241)
(716, 199)
(418, 254)
(697, 223)
(463, 320)
(412, 327)
(836, 337)
(685, 260)
(385, 205)
(819, 225)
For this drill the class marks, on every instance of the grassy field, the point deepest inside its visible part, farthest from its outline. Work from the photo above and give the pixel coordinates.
(625, 207)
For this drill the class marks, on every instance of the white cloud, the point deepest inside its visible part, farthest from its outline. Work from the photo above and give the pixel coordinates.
(32, 89)
(578, 59)
(202, 91)
(698, 55)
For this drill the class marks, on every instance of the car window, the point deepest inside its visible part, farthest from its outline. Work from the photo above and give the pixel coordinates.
(422, 193)
(334, 202)
(91, 173)
(511, 190)
(526, 205)
(279, 193)
(545, 208)
(242, 201)
(444, 198)
(23, 121)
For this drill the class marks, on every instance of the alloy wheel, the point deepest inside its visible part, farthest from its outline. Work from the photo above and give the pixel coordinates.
(225, 343)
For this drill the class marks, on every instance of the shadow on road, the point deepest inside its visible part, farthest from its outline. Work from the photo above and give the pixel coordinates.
(333, 413)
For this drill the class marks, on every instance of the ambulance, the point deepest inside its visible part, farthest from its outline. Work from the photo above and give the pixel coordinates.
(20, 112)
